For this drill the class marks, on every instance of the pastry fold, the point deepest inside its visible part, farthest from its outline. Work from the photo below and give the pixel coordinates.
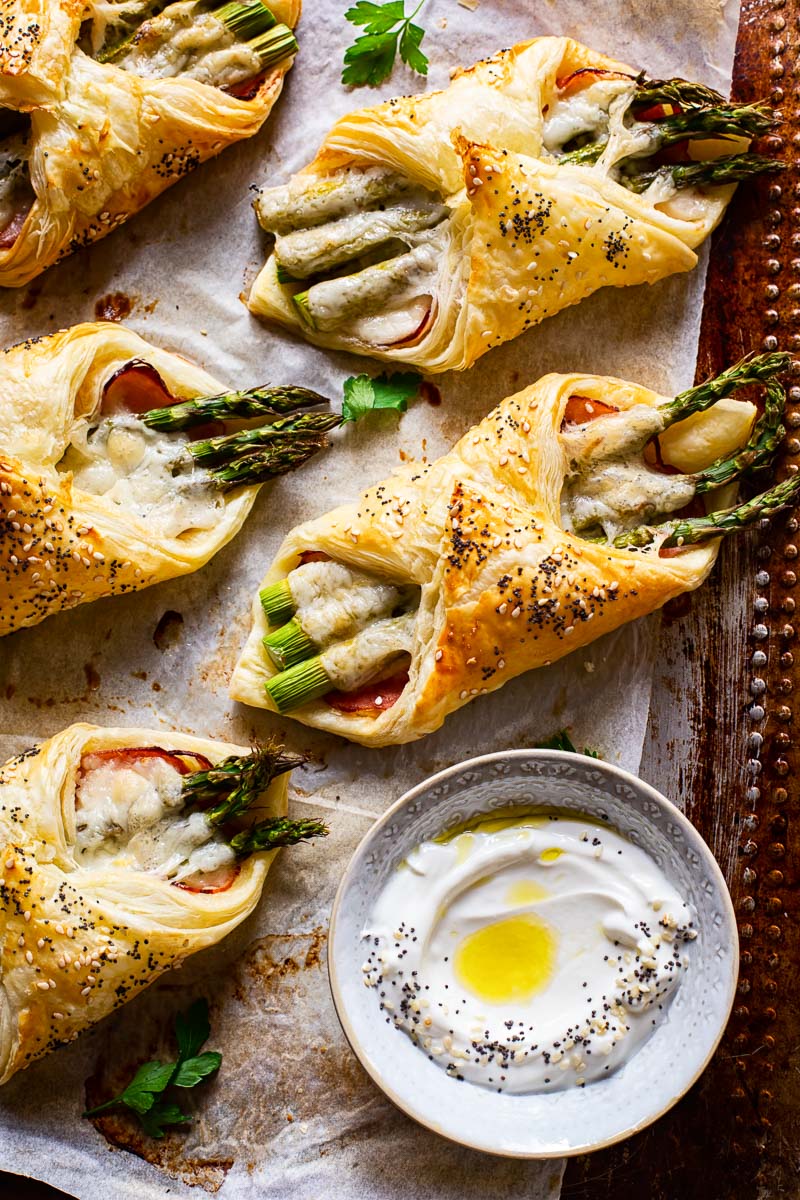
(79, 941)
(526, 236)
(503, 586)
(103, 141)
(61, 546)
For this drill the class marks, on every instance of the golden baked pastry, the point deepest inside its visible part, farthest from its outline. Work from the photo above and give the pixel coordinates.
(101, 490)
(103, 105)
(123, 852)
(428, 229)
(549, 524)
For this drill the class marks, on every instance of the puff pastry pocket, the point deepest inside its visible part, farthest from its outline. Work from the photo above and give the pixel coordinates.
(124, 851)
(577, 505)
(431, 228)
(105, 486)
(103, 106)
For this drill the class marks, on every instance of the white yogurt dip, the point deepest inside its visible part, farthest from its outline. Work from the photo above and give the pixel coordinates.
(528, 953)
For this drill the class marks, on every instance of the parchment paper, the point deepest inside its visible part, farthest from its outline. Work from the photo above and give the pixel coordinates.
(291, 1114)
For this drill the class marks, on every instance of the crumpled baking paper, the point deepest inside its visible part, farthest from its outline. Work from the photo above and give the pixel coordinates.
(291, 1114)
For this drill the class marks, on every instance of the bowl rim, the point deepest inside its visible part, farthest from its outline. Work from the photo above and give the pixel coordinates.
(611, 769)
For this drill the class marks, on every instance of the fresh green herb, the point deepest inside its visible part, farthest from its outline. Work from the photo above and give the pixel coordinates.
(562, 741)
(144, 1094)
(362, 394)
(386, 28)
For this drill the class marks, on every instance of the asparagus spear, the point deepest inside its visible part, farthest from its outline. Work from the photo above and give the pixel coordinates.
(725, 120)
(274, 45)
(268, 463)
(714, 173)
(256, 402)
(299, 684)
(757, 368)
(308, 201)
(246, 20)
(289, 644)
(294, 431)
(306, 252)
(347, 664)
(692, 530)
(277, 602)
(253, 771)
(327, 304)
(277, 831)
(676, 91)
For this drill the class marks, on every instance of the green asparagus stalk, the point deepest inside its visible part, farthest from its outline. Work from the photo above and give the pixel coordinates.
(692, 530)
(676, 91)
(761, 447)
(300, 684)
(714, 173)
(246, 20)
(255, 402)
(292, 431)
(277, 602)
(725, 120)
(268, 463)
(253, 771)
(116, 50)
(757, 368)
(275, 45)
(289, 644)
(277, 831)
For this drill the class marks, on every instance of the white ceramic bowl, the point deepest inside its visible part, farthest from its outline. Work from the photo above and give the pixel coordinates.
(579, 1119)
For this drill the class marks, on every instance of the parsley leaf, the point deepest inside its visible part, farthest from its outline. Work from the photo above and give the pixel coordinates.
(562, 741)
(371, 57)
(162, 1114)
(143, 1095)
(194, 1069)
(192, 1029)
(148, 1082)
(362, 394)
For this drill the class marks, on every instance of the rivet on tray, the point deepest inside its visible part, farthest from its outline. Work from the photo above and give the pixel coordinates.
(750, 822)
(742, 1012)
(757, 686)
(788, 605)
(773, 960)
(778, 825)
(770, 1014)
(774, 904)
(777, 24)
(753, 795)
(785, 686)
(784, 713)
(779, 796)
(788, 579)
(788, 631)
(776, 850)
(771, 987)
(750, 848)
(746, 958)
(781, 767)
(782, 738)
(775, 876)
(744, 987)
(748, 904)
(772, 291)
(769, 342)
(769, 1041)
(756, 712)
(790, 551)
(749, 875)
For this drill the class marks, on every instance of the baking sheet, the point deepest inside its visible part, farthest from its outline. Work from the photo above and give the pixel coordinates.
(292, 1114)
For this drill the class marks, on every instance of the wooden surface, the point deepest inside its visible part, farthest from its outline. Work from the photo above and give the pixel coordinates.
(721, 741)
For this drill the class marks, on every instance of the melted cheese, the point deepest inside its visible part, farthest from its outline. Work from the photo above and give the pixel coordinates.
(351, 664)
(333, 601)
(142, 471)
(184, 40)
(128, 815)
(621, 495)
(583, 112)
